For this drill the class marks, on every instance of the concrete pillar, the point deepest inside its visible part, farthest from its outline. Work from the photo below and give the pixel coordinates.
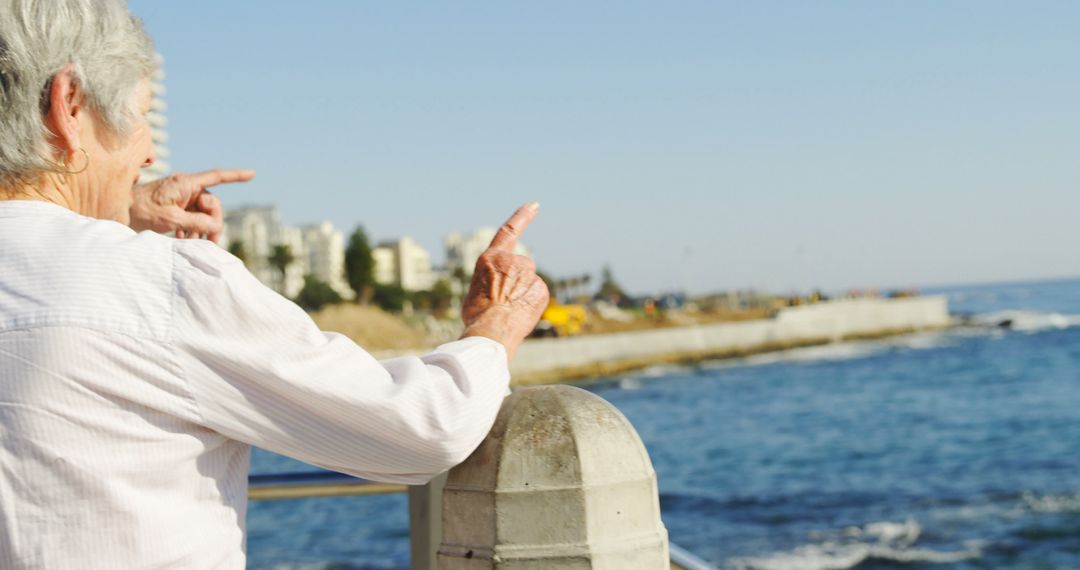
(562, 481)
(425, 522)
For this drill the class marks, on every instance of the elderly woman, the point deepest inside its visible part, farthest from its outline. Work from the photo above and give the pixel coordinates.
(136, 370)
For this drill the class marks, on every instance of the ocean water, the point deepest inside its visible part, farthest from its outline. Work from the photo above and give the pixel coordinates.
(958, 449)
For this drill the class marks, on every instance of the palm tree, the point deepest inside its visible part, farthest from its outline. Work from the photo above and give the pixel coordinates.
(574, 284)
(461, 279)
(281, 258)
(560, 289)
(237, 248)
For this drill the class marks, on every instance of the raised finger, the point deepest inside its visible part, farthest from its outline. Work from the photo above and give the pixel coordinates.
(217, 176)
(507, 236)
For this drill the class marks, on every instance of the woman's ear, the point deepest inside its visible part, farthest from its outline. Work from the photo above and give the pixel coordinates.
(62, 116)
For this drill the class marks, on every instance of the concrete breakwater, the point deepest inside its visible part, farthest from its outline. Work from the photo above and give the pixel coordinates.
(553, 360)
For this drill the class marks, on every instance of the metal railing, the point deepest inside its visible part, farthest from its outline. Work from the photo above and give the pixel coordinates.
(423, 525)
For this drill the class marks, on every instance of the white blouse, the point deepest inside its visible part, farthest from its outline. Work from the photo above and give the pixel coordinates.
(136, 371)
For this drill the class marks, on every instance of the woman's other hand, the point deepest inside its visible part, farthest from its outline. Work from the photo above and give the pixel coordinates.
(506, 297)
(181, 203)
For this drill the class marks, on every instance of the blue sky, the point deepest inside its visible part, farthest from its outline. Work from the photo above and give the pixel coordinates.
(698, 145)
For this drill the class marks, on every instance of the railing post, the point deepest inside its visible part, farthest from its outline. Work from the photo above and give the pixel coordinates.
(562, 481)
(425, 522)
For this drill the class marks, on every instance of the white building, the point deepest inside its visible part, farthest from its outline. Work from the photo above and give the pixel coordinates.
(403, 262)
(463, 251)
(385, 266)
(158, 122)
(324, 248)
(317, 250)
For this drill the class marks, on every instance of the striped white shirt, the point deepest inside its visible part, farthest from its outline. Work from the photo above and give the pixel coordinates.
(136, 371)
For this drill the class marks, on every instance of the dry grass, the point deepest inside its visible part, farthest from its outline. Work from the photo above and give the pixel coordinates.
(370, 327)
(377, 330)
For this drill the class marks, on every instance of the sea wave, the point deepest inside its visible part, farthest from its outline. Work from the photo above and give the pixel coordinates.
(924, 340)
(995, 325)
(660, 370)
(1069, 503)
(825, 352)
(883, 541)
(849, 350)
(1026, 321)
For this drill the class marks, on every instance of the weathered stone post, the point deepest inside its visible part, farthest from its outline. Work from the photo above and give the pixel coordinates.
(562, 481)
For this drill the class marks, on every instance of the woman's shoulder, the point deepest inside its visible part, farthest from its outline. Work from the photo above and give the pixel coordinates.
(76, 271)
(204, 257)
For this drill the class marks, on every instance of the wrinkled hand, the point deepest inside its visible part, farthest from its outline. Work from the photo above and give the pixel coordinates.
(180, 203)
(506, 297)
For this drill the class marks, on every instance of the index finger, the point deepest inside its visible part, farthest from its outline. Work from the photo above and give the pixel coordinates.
(220, 176)
(507, 237)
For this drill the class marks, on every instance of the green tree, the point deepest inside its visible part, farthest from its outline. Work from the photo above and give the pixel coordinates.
(316, 294)
(281, 257)
(239, 249)
(610, 290)
(574, 286)
(360, 265)
(441, 296)
(461, 279)
(421, 300)
(563, 285)
(390, 297)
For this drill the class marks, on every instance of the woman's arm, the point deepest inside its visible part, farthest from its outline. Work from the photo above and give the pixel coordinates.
(260, 370)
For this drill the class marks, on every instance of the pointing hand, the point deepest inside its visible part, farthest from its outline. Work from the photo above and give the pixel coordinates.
(181, 203)
(506, 297)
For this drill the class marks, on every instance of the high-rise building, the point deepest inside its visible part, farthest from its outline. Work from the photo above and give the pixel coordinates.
(385, 265)
(249, 233)
(253, 233)
(158, 123)
(403, 262)
(324, 248)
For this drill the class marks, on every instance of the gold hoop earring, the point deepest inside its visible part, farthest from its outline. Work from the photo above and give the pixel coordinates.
(85, 164)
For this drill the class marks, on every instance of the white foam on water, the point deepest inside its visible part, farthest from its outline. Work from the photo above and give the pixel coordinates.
(984, 325)
(978, 512)
(1052, 503)
(853, 546)
(835, 352)
(825, 352)
(659, 370)
(1027, 321)
(630, 383)
(924, 341)
(904, 534)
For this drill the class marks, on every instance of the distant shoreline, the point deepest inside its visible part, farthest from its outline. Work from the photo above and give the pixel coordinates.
(601, 369)
(593, 356)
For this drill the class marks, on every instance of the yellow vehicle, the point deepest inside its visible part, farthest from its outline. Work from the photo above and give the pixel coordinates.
(561, 320)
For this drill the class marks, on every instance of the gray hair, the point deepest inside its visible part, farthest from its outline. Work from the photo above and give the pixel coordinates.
(109, 50)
